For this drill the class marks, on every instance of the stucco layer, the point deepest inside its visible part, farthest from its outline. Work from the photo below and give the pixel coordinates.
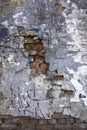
(58, 83)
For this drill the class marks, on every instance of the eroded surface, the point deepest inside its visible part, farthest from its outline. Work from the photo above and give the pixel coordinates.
(61, 25)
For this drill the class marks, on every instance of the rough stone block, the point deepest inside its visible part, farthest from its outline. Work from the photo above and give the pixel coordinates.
(63, 126)
(9, 126)
(40, 71)
(29, 39)
(0, 121)
(44, 127)
(80, 126)
(61, 121)
(70, 120)
(42, 121)
(59, 116)
(44, 66)
(52, 121)
(39, 46)
(34, 65)
(58, 77)
(39, 59)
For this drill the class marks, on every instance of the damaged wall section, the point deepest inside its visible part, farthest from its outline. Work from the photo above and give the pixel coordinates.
(58, 83)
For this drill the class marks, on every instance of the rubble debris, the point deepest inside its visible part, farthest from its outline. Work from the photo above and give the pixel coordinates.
(66, 93)
(58, 77)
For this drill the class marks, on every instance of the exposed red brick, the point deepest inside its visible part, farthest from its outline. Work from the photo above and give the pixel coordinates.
(34, 65)
(63, 126)
(33, 52)
(45, 127)
(70, 120)
(40, 71)
(77, 121)
(61, 121)
(39, 59)
(12, 121)
(65, 92)
(42, 121)
(44, 66)
(58, 77)
(52, 121)
(29, 46)
(80, 126)
(29, 39)
(34, 46)
(42, 52)
(6, 116)
(8, 126)
(59, 116)
(39, 46)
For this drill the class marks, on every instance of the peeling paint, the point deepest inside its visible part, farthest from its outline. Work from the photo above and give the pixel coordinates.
(63, 88)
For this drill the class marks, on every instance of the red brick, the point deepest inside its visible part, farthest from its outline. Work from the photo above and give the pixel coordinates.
(59, 116)
(33, 52)
(61, 121)
(58, 77)
(65, 92)
(80, 126)
(45, 127)
(42, 121)
(63, 126)
(42, 52)
(70, 120)
(34, 121)
(77, 121)
(9, 126)
(39, 46)
(5, 116)
(12, 121)
(52, 121)
(40, 71)
(34, 65)
(44, 66)
(29, 39)
(39, 59)
(29, 46)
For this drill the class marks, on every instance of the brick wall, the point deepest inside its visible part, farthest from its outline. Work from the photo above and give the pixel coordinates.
(58, 122)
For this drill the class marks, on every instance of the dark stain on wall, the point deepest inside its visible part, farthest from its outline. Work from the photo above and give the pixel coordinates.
(4, 33)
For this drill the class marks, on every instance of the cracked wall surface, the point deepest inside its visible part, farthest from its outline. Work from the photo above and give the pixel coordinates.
(61, 27)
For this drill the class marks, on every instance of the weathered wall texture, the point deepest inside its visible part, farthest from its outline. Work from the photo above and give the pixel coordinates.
(61, 27)
(58, 122)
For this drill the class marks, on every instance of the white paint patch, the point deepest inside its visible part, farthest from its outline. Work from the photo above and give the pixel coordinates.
(81, 71)
(71, 71)
(76, 84)
(15, 63)
(78, 57)
(66, 111)
(20, 19)
(27, 83)
(41, 83)
(3, 65)
(10, 58)
(5, 23)
(76, 77)
(68, 1)
(17, 15)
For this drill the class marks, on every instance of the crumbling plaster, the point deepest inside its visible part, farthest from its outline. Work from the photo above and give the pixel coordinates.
(63, 30)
